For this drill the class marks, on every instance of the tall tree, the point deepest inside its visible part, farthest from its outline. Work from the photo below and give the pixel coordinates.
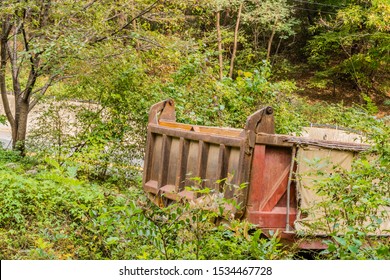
(235, 40)
(24, 51)
(220, 6)
(219, 40)
(270, 18)
(37, 39)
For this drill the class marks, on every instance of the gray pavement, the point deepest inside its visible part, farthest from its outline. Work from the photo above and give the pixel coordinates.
(5, 136)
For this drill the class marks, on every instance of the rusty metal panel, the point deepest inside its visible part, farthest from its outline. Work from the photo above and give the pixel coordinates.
(212, 173)
(267, 202)
(174, 162)
(176, 153)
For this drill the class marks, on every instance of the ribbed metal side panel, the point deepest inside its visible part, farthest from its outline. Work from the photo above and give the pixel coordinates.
(178, 159)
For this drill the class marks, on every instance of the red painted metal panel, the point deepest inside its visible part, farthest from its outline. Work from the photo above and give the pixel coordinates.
(257, 178)
(267, 198)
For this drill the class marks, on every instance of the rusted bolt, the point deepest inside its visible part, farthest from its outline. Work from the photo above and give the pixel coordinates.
(269, 110)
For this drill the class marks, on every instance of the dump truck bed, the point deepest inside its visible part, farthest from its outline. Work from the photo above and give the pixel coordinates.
(221, 159)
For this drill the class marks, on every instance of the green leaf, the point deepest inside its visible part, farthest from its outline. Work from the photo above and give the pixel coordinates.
(353, 249)
(112, 240)
(340, 240)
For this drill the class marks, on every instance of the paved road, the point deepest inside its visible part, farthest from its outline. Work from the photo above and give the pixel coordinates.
(5, 131)
(5, 136)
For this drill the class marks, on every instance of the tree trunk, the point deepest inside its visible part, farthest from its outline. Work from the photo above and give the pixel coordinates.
(19, 130)
(255, 38)
(220, 59)
(18, 121)
(277, 50)
(235, 41)
(135, 26)
(308, 15)
(270, 43)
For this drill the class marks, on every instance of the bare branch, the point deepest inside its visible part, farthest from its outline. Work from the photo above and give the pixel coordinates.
(147, 10)
(6, 28)
(235, 40)
(113, 17)
(13, 55)
(34, 63)
(145, 39)
(14, 67)
(219, 37)
(89, 4)
(42, 92)
(44, 13)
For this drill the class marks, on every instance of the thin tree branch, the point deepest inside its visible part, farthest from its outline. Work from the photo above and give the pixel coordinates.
(355, 76)
(34, 59)
(34, 63)
(219, 38)
(270, 41)
(13, 55)
(5, 28)
(86, 6)
(147, 10)
(44, 13)
(235, 40)
(42, 92)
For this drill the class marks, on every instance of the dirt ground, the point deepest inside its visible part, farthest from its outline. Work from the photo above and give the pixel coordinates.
(344, 93)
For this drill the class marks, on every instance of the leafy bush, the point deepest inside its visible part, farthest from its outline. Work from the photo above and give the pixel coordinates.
(352, 47)
(357, 202)
(3, 119)
(48, 213)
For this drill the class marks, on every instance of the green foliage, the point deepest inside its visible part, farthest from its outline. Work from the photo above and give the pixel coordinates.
(201, 99)
(41, 209)
(78, 197)
(356, 202)
(106, 132)
(3, 119)
(353, 46)
(354, 245)
(268, 16)
(48, 213)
